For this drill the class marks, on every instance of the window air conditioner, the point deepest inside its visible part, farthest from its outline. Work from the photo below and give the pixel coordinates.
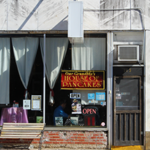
(128, 53)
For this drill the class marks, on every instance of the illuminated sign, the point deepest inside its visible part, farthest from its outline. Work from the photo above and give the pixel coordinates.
(89, 111)
(73, 79)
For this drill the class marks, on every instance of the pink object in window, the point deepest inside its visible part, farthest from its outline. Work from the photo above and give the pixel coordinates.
(14, 115)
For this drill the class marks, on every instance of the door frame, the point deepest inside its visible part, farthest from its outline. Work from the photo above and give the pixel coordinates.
(127, 112)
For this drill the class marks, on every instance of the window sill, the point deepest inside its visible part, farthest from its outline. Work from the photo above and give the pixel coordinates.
(72, 129)
(75, 129)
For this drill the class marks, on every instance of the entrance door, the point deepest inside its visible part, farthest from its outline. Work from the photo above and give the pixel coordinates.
(127, 110)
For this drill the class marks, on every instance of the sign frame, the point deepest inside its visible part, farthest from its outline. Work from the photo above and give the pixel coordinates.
(28, 101)
(36, 100)
(86, 71)
(91, 96)
(100, 93)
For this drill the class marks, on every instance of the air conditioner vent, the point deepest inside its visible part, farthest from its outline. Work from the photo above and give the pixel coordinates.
(128, 53)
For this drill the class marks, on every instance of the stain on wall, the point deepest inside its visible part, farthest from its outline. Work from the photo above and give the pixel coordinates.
(53, 15)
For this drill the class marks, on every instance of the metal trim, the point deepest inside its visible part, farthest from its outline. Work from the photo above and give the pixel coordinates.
(128, 65)
(75, 128)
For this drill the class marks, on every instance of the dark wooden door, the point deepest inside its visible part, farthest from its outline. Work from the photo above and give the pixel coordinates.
(127, 110)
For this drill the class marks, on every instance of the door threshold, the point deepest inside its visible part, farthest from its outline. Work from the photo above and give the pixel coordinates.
(133, 147)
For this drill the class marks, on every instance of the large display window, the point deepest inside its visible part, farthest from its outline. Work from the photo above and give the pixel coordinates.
(80, 103)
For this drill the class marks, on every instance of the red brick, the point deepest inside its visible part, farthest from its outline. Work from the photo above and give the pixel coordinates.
(81, 137)
(95, 134)
(78, 142)
(70, 142)
(73, 140)
(92, 142)
(35, 142)
(100, 137)
(63, 142)
(93, 137)
(99, 143)
(48, 142)
(60, 139)
(52, 134)
(55, 142)
(80, 134)
(56, 136)
(73, 137)
(85, 142)
(53, 139)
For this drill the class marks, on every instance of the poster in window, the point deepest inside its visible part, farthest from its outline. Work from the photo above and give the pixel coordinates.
(74, 120)
(39, 119)
(26, 104)
(100, 96)
(59, 121)
(76, 106)
(36, 102)
(75, 95)
(91, 95)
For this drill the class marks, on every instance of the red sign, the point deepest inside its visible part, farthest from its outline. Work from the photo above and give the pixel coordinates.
(90, 111)
(83, 80)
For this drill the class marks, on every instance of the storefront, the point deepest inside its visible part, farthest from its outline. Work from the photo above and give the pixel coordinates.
(103, 80)
(80, 74)
(76, 73)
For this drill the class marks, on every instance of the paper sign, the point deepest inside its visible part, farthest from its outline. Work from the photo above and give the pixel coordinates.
(93, 101)
(26, 104)
(104, 103)
(39, 119)
(75, 95)
(100, 96)
(59, 121)
(36, 102)
(76, 106)
(74, 120)
(91, 95)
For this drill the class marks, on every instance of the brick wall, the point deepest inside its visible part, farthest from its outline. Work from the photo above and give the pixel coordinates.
(60, 139)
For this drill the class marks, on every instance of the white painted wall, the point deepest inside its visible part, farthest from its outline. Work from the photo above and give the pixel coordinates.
(147, 82)
(126, 38)
(53, 14)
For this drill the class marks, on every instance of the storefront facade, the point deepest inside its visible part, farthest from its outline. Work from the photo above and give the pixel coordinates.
(104, 80)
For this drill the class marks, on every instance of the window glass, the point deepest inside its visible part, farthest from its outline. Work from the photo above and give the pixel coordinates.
(81, 108)
(127, 93)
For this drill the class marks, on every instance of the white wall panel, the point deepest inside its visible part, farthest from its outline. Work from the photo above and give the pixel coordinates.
(128, 36)
(147, 82)
(3, 15)
(53, 15)
(23, 15)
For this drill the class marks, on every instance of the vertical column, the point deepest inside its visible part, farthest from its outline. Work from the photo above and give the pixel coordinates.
(147, 90)
(109, 85)
(44, 84)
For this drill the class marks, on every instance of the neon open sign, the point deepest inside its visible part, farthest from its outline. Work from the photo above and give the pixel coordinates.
(90, 111)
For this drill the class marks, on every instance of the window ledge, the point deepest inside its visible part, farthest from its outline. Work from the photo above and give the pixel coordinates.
(75, 129)
(71, 129)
